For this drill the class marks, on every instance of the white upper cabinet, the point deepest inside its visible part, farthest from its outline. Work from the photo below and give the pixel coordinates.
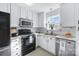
(35, 19)
(8, 7)
(41, 19)
(30, 14)
(67, 14)
(24, 12)
(5, 7)
(15, 15)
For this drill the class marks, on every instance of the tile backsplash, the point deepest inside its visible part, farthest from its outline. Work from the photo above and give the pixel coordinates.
(59, 32)
(39, 29)
(66, 29)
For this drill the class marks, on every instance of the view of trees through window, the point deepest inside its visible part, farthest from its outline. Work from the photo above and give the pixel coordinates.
(53, 22)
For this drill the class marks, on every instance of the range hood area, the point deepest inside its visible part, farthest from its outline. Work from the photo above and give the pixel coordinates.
(39, 29)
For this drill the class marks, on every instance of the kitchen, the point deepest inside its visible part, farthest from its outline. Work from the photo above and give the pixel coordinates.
(39, 29)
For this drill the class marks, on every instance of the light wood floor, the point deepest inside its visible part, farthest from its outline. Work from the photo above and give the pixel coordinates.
(39, 52)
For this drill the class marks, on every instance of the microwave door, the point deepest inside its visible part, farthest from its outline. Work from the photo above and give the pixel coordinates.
(20, 22)
(25, 23)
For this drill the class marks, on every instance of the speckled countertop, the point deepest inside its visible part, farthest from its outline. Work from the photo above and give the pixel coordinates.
(58, 36)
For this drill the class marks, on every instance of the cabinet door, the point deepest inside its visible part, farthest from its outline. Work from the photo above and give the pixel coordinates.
(15, 15)
(30, 14)
(8, 9)
(67, 14)
(24, 12)
(5, 7)
(41, 19)
(37, 40)
(40, 41)
(16, 46)
(51, 45)
(35, 19)
(43, 42)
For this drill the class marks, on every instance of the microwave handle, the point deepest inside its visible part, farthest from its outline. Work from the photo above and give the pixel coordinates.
(32, 23)
(20, 23)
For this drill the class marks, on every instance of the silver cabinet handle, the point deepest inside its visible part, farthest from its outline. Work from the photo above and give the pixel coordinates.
(16, 48)
(50, 38)
(16, 53)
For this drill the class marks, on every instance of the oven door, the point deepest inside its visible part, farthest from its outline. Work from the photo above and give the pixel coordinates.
(28, 44)
(27, 40)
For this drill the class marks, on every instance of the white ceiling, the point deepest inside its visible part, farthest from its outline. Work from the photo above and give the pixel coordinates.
(40, 7)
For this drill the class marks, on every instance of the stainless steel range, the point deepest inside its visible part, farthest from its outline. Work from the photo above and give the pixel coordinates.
(28, 40)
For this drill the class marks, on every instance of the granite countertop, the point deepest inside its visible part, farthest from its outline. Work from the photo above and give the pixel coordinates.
(58, 36)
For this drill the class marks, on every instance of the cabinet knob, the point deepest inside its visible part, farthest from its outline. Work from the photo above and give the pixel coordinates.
(16, 44)
(16, 53)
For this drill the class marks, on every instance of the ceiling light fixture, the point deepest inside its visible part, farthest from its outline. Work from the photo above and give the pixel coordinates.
(29, 4)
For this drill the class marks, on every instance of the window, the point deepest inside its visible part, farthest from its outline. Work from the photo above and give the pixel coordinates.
(53, 21)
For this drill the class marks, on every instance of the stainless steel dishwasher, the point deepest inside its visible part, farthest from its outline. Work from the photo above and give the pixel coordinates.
(70, 48)
(65, 47)
(62, 49)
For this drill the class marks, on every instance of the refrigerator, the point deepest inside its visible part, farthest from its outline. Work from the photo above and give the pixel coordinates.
(4, 34)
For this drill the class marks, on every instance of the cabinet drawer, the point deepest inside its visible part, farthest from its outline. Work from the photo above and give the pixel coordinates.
(16, 54)
(15, 50)
(15, 40)
(14, 47)
(15, 44)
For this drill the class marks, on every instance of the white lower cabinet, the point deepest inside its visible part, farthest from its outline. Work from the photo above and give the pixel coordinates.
(37, 40)
(44, 42)
(47, 42)
(51, 45)
(16, 46)
(41, 41)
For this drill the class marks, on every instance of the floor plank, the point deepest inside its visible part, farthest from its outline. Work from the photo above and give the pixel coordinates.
(39, 52)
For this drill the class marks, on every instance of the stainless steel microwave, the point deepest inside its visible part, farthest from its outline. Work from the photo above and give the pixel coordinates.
(25, 23)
